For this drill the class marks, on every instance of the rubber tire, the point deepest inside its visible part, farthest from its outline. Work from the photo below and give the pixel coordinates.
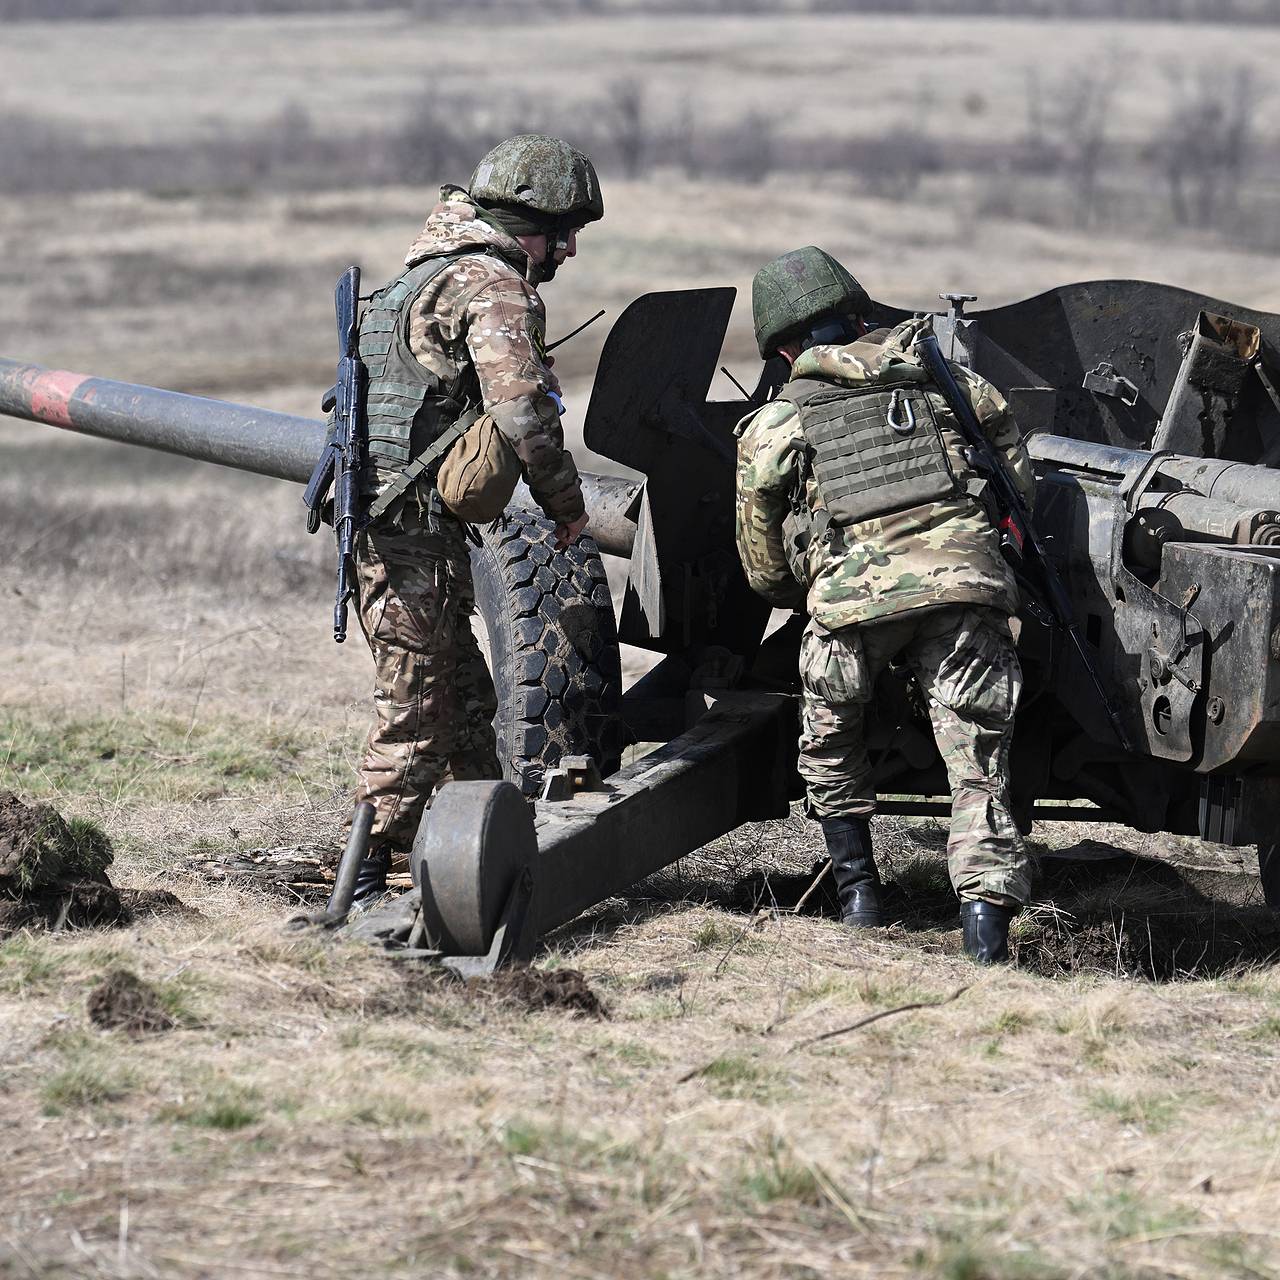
(553, 648)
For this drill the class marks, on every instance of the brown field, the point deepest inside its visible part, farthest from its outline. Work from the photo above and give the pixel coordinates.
(1108, 1109)
(199, 76)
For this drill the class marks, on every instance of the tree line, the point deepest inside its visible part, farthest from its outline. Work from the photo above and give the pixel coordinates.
(1219, 11)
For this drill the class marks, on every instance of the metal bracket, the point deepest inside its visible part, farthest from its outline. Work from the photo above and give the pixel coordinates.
(950, 328)
(575, 775)
(513, 940)
(957, 300)
(1267, 380)
(1219, 797)
(1105, 381)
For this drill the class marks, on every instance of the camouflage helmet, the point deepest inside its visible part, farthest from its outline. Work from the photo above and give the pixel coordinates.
(540, 174)
(792, 291)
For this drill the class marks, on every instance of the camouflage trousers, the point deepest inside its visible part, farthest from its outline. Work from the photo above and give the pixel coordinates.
(433, 694)
(967, 666)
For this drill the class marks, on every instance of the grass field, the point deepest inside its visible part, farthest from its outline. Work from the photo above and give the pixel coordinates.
(1107, 1109)
(195, 77)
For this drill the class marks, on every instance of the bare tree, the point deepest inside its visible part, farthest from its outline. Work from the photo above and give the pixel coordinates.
(627, 125)
(748, 147)
(1067, 128)
(1205, 149)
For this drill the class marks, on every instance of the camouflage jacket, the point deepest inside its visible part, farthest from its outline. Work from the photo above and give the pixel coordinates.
(481, 312)
(943, 552)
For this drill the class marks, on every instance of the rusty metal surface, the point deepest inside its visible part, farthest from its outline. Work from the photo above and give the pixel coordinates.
(1134, 325)
(1207, 391)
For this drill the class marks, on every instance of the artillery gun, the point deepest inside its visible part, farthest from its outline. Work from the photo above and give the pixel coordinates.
(1153, 417)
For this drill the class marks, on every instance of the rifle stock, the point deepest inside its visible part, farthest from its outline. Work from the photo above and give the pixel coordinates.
(343, 457)
(350, 442)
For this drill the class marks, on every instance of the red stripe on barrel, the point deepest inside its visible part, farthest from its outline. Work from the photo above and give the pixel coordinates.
(51, 393)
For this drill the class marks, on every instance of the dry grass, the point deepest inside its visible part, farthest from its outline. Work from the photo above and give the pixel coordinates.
(318, 1107)
(315, 1108)
(265, 335)
(198, 77)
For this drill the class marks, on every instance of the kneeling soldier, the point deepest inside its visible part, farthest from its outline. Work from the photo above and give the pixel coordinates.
(854, 498)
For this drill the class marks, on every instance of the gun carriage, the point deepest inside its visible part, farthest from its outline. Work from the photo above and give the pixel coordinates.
(1153, 417)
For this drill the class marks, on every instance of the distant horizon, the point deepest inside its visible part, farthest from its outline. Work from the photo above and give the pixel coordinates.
(1209, 12)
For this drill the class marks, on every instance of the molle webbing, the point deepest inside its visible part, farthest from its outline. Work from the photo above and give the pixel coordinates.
(399, 387)
(864, 465)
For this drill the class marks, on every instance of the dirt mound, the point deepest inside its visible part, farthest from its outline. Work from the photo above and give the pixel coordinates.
(1105, 911)
(142, 903)
(124, 1002)
(538, 989)
(53, 874)
(425, 990)
(39, 848)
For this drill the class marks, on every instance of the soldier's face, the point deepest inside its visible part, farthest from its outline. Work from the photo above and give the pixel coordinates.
(536, 248)
(570, 246)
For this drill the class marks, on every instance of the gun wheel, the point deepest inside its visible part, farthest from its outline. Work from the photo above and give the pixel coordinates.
(548, 629)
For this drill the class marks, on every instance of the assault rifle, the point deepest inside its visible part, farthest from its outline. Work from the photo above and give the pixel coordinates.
(343, 457)
(1013, 520)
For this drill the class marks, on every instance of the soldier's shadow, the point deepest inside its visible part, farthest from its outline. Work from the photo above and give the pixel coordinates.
(1096, 910)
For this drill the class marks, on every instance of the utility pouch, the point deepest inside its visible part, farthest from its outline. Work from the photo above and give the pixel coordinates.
(431, 455)
(479, 473)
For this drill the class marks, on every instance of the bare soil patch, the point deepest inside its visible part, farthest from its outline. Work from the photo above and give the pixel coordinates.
(124, 1002)
(539, 989)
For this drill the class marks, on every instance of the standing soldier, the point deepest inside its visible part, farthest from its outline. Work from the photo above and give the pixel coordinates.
(461, 328)
(854, 497)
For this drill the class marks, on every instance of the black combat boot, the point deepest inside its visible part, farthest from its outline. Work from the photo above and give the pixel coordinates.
(986, 930)
(857, 880)
(371, 879)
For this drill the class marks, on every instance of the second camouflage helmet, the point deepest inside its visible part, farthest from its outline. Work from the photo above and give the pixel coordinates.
(542, 174)
(792, 291)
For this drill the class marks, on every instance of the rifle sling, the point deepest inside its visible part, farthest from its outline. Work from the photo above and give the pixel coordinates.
(432, 453)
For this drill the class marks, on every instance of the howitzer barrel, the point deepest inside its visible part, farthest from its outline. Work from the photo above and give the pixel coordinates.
(237, 435)
(1244, 483)
(234, 435)
(1206, 498)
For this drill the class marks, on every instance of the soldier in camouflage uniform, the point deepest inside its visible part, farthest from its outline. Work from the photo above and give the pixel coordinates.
(854, 500)
(460, 330)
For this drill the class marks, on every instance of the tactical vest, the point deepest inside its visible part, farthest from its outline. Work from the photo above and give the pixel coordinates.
(405, 405)
(872, 450)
